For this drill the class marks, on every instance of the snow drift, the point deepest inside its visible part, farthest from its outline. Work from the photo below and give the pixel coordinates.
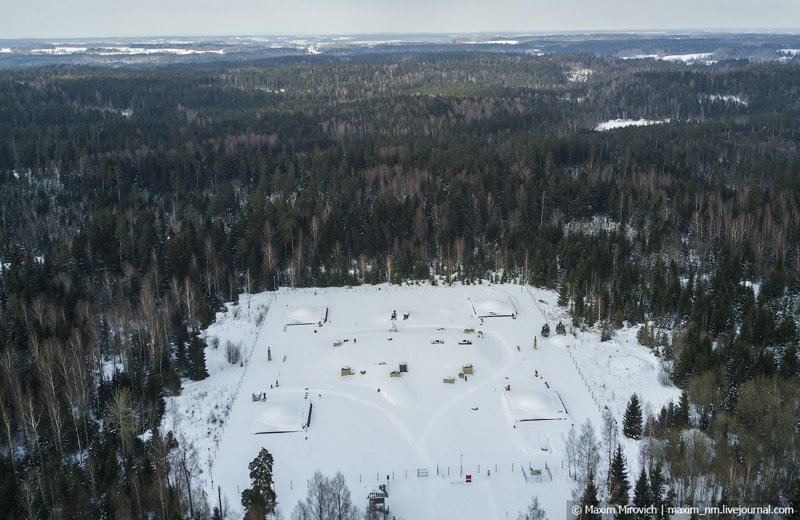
(493, 308)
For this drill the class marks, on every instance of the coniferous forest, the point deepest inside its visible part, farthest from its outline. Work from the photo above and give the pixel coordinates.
(135, 201)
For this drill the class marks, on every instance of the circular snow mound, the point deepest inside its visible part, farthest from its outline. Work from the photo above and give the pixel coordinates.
(492, 308)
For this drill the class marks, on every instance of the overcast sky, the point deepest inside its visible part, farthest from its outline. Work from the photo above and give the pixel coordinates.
(87, 18)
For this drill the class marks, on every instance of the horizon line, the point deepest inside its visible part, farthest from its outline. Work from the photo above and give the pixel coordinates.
(776, 31)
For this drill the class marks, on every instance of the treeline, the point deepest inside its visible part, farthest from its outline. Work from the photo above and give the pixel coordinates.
(134, 202)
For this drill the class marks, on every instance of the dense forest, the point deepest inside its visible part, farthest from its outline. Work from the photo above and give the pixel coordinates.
(135, 201)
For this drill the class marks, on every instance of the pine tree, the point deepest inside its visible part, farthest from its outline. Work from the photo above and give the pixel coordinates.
(560, 328)
(589, 501)
(618, 484)
(632, 421)
(259, 499)
(545, 330)
(641, 495)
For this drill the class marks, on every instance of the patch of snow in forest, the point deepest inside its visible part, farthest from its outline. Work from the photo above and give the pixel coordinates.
(591, 227)
(493, 42)
(699, 57)
(641, 57)
(61, 51)
(622, 123)
(756, 286)
(579, 75)
(790, 52)
(131, 51)
(734, 100)
(5, 50)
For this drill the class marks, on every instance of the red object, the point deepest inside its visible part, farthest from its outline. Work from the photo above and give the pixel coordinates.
(469, 479)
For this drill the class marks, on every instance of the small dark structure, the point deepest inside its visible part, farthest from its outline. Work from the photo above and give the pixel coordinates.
(377, 508)
(403, 366)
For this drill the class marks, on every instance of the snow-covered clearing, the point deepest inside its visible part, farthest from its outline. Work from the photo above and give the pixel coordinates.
(60, 50)
(426, 398)
(704, 58)
(699, 57)
(492, 42)
(730, 99)
(579, 75)
(622, 123)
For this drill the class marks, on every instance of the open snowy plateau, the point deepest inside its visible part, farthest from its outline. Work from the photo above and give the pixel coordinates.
(424, 385)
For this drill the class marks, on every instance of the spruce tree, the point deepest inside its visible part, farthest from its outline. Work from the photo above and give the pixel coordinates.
(545, 330)
(589, 501)
(682, 412)
(618, 484)
(641, 495)
(196, 357)
(656, 487)
(632, 421)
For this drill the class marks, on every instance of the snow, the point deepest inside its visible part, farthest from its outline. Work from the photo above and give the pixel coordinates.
(5, 50)
(493, 307)
(699, 57)
(640, 57)
(622, 123)
(756, 286)
(130, 51)
(733, 100)
(61, 51)
(123, 51)
(534, 402)
(369, 425)
(286, 412)
(493, 42)
(306, 315)
(790, 52)
(579, 75)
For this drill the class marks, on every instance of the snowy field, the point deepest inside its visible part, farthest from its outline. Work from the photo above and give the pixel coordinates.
(426, 398)
(623, 123)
